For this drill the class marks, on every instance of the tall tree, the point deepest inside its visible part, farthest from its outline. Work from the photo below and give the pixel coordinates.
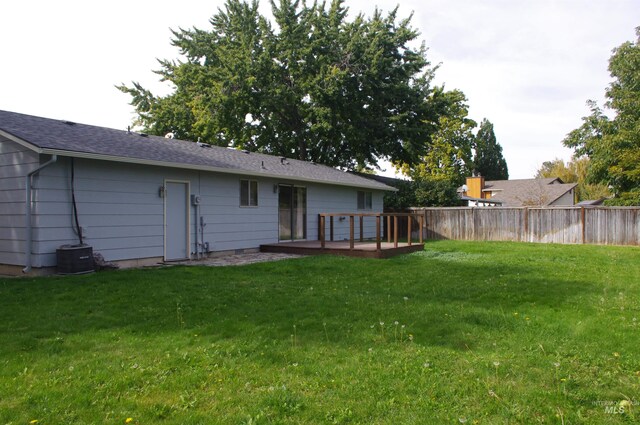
(313, 85)
(557, 169)
(488, 159)
(449, 156)
(574, 171)
(613, 145)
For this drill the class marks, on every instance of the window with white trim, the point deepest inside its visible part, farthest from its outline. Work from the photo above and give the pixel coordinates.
(364, 200)
(248, 193)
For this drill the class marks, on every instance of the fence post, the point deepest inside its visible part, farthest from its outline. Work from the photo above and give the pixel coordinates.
(526, 225)
(475, 224)
(583, 224)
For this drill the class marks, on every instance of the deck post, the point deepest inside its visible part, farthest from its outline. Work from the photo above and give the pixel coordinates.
(395, 231)
(331, 228)
(322, 236)
(378, 245)
(361, 228)
(351, 223)
(388, 229)
(409, 223)
(421, 227)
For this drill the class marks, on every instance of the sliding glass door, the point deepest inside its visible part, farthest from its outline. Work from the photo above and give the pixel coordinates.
(292, 206)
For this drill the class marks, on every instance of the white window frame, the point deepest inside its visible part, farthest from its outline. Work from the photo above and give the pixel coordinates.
(367, 200)
(249, 183)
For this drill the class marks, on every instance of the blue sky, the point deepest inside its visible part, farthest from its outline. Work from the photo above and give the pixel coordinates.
(527, 66)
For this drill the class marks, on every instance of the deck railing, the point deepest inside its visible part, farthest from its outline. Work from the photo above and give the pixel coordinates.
(392, 227)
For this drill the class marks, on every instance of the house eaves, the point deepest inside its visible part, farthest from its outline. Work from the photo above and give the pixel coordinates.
(566, 186)
(63, 138)
(184, 166)
(481, 200)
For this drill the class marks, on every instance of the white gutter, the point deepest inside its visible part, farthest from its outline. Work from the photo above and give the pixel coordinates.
(27, 207)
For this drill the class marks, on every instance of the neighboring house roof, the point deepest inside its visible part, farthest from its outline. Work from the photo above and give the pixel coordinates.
(591, 202)
(49, 136)
(389, 181)
(527, 192)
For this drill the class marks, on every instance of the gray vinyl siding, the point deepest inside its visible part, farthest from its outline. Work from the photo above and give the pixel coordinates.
(565, 200)
(337, 199)
(118, 207)
(230, 226)
(122, 213)
(15, 163)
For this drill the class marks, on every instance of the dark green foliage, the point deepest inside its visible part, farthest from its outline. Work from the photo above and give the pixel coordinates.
(449, 156)
(627, 199)
(319, 87)
(427, 192)
(488, 160)
(574, 171)
(613, 145)
(436, 192)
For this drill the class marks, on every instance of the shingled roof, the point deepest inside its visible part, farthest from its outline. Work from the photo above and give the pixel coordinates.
(523, 192)
(65, 138)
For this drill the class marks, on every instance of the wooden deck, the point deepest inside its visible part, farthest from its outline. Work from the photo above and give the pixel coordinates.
(360, 246)
(360, 249)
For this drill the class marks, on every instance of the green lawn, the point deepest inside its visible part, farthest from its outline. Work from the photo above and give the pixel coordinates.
(476, 333)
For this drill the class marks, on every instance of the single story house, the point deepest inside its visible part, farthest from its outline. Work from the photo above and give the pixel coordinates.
(139, 199)
(548, 192)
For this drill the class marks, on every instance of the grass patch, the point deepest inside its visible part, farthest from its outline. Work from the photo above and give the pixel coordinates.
(477, 333)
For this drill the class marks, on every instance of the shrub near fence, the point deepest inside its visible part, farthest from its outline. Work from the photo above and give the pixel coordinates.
(564, 225)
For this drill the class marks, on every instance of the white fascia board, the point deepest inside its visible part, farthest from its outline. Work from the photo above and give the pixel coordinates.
(239, 171)
(21, 142)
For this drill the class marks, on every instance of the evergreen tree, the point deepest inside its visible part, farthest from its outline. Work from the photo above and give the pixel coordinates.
(488, 160)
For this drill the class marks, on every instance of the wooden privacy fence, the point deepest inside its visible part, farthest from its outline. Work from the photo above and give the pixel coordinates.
(565, 225)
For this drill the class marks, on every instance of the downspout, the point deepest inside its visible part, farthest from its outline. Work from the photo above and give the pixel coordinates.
(196, 208)
(27, 207)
